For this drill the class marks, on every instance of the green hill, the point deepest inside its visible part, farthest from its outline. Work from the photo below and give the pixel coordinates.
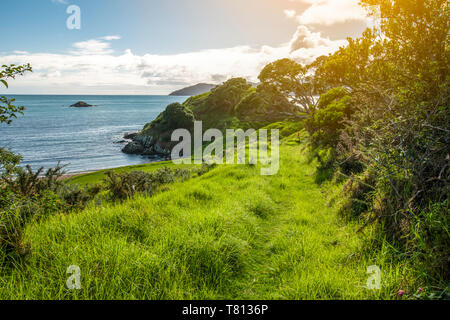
(236, 104)
(193, 90)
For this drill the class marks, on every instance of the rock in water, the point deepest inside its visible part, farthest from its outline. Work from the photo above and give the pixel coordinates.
(134, 148)
(81, 104)
(130, 136)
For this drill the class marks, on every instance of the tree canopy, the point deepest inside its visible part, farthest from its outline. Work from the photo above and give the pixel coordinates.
(293, 80)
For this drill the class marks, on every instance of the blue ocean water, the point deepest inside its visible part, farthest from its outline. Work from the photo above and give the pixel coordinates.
(83, 139)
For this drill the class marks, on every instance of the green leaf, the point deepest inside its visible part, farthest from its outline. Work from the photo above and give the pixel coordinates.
(4, 82)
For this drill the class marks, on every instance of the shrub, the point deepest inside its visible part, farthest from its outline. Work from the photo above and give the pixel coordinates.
(126, 185)
(76, 198)
(25, 182)
(395, 127)
(175, 116)
(326, 123)
(205, 168)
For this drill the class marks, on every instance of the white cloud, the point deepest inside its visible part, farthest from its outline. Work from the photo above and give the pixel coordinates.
(92, 47)
(92, 66)
(329, 12)
(20, 52)
(290, 13)
(60, 1)
(305, 39)
(109, 38)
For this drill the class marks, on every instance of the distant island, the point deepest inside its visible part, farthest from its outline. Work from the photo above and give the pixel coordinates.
(194, 90)
(81, 104)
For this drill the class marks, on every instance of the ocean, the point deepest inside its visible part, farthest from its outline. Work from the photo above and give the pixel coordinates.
(83, 139)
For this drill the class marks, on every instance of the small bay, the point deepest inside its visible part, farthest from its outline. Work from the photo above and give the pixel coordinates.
(83, 139)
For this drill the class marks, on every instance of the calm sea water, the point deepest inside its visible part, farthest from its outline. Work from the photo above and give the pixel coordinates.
(81, 138)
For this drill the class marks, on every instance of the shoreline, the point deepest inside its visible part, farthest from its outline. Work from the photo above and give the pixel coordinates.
(69, 175)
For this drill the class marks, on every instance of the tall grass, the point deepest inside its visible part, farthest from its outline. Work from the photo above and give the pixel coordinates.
(227, 234)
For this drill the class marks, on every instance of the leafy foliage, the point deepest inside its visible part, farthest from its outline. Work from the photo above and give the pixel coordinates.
(326, 123)
(292, 80)
(8, 110)
(225, 97)
(174, 117)
(126, 185)
(397, 126)
(25, 182)
(266, 103)
(9, 161)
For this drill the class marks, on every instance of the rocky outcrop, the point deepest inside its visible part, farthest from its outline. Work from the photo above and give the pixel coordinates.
(155, 138)
(134, 148)
(150, 145)
(130, 136)
(81, 104)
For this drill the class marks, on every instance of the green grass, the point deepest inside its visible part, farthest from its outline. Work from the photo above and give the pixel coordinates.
(229, 234)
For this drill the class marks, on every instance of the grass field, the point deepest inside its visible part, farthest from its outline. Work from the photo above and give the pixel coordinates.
(229, 234)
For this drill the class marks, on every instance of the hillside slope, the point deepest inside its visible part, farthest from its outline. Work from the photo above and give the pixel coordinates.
(230, 234)
(235, 104)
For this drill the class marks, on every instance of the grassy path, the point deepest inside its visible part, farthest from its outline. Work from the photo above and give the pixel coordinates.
(230, 234)
(303, 249)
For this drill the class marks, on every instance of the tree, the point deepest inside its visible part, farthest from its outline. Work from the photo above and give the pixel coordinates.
(225, 97)
(327, 122)
(292, 80)
(8, 111)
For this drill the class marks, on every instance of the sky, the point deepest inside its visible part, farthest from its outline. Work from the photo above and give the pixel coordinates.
(158, 46)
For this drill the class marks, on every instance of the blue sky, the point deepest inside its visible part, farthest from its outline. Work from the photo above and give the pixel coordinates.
(155, 46)
(157, 26)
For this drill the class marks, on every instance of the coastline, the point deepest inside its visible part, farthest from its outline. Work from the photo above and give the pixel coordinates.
(70, 175)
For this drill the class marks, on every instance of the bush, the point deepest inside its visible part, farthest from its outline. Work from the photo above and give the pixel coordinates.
(126, 185)
(205, 168)
(327, 122)
(76, 198)
(25, 182)
(27, 196)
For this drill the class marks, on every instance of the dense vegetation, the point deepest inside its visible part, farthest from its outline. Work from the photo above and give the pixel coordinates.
(236, 104)
(364, 180)
(382, 121)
